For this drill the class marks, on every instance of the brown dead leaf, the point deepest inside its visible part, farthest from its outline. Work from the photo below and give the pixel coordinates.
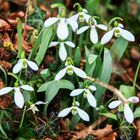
(135, 54)
(1, 84)
(4, 5)
(5, 101)
(137, 123)
(99, 133)
(111, 136)
(4, 54)
(6, 65)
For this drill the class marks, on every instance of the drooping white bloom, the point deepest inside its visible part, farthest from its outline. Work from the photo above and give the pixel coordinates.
(74, 109)
(87, 94)
(93, 32)
(23, 63)
(62, 49)
(18, 97)
(117, 31)
(128, 114)
(81, 16)
(62, 26)
(33, 106)
(70, 69)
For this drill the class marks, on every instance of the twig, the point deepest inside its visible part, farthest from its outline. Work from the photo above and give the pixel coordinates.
(109, 87)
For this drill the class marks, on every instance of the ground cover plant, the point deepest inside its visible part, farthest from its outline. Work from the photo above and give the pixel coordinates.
(65, 71)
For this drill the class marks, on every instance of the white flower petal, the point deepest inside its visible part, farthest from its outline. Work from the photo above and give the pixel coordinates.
(60, 74)
(50, 21)
(18, 98)
(82, 29)
(69, 43)
(5, 90)
(103, 27)
(62, 30)
(133, 99)
(32, 65)
(85, 11)
(62, 52)
(91, 99)
(82, 114)
(53, 43)
(107, 36)
(114, 104)
(17, 67)
(86, 17)
(128, 113)
(127, 35)
(93, 88)
(77, 103)
(40, 102)
(76, 92)
(27, 87)
(120, 25)
(75, 17)
(73, 24)
(79, 72)
(93, 35)
(64, 112)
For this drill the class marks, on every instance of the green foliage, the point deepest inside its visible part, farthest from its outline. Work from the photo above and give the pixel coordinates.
(37, 19)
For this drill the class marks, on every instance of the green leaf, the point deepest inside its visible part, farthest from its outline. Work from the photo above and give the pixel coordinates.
(91, 58)
(77, 57)
(36, 46)
(43, 87)
(105, 75)
(137, 112)
(109, 115)
(47, 36)
(74, 121)
(65, 84)
(50, 93)
(90, 62)
(4, 75)
(19, 32)
(37, 18)
(118, 48)
(127, 91)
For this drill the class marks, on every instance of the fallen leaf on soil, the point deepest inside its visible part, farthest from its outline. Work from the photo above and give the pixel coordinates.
(6, 65)
(100, 133)
(135, 54)
(5, 101)
(111, 136)
(4, 55)
(137, 123)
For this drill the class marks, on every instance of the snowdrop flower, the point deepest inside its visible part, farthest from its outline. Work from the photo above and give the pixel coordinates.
(74, 109)
(22, 64)
(93, 32)
(62, 49)
(128, 114)
(18, 97)
(70, 69)
(87, 94)
(117, 31)
(33, 106)
(62, 26)
(82, 15)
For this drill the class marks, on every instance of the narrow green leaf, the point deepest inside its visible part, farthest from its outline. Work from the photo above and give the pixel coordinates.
(77, 57)
(47, 36)
(137, 112)
(109, 115)
(65, 84)
(118, 48)
(19, 32)
(50, 93)
(105, 75)
(36, 46)
(74, 121)
(44, 86)
(4, 74)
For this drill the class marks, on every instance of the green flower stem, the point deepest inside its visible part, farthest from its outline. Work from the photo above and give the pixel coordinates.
(23, 115)
(136, 75)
